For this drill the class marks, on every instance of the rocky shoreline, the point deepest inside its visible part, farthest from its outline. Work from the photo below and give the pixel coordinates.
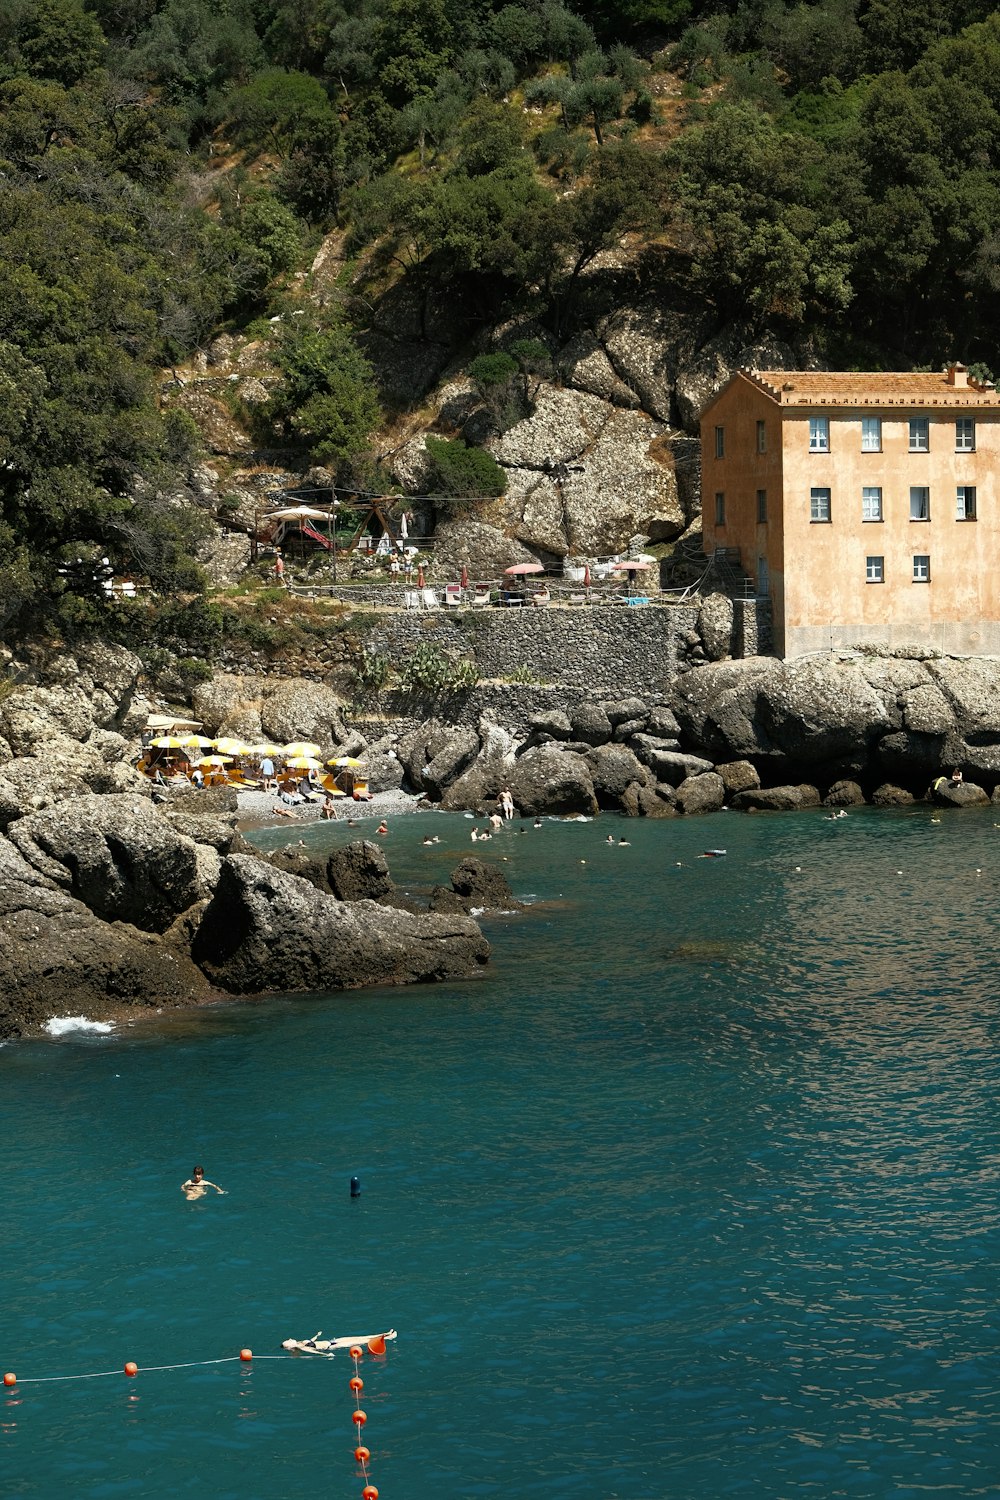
(111, 897)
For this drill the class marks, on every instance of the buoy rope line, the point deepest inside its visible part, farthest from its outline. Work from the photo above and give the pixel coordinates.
(359, 1417)
(131, 1369)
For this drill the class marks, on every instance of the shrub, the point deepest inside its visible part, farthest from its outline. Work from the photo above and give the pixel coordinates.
(459, 474)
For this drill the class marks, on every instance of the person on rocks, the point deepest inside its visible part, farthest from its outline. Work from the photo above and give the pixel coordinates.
(329, 808)
(279, 568)
(507, 802)
(198, 1185)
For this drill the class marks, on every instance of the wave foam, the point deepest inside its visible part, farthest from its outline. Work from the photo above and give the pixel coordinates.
(60, 1025)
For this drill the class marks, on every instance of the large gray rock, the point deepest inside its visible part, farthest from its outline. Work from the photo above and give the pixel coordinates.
(455, 756)
(359, 872)
(116, 855)
(701, 794)
(844, 794)
(776, 799)
(672, 766)
(57, 958)
(475, 887)
(614, 768)
(223, 697)
(627, 480)
(625, 711)
(552, 723)
(484, 550)
(546, 780)
(738, 776)
(948, 793)
(298, 709)
(589, 723)
(31, 717)
(265, 930)
(715, 626)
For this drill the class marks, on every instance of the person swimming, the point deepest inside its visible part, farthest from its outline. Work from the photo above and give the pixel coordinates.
(198, 1184)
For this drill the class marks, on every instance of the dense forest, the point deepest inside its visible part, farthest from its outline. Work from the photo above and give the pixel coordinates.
(828, 171)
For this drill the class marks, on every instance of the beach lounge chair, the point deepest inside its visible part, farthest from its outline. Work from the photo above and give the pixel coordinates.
(429, 599)
(542, 598)
(481, 597)
(452, 595)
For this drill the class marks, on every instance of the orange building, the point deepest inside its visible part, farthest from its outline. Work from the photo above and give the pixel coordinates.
(864, 506)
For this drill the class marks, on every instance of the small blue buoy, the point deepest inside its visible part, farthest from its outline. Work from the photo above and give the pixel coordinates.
(355, 1187)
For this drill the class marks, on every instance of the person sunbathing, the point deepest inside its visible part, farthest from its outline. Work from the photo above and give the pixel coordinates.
(319, 1345)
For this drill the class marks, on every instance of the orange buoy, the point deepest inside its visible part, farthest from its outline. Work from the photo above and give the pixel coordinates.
(369, 1492)
(360, 1417)
(246, 1355)
(362, 1454)
(356, 1383)
(131, 1368)
(10, 1379)
(377, 1345)
(355, 1351)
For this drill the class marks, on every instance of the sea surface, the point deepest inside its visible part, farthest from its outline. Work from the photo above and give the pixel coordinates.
(695, 1192)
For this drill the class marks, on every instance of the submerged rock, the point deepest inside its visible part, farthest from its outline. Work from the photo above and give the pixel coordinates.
(475, 886)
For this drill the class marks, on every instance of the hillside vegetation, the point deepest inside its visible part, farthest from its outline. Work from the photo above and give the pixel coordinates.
(170, 168)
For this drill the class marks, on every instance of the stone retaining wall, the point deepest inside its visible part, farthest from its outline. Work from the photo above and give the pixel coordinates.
(612, 650)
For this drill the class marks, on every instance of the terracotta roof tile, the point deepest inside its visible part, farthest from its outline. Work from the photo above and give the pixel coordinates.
(869, 388)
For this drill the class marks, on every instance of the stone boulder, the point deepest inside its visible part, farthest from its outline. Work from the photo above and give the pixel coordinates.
(31, 717)
(658, 801)
(475, 887)
(701, 794)
(298, 709)
(613, 768)
(776, 799)
(56, 957)
(672, 766)
(662, 723)
(947, 793)
(738, 776)
(625, 710)
(703, 371)
(359, 872)
(590, 724)
(116, 855)
(224, 696)
(715, 626)
(455, 756)
(550, 723)
(888, 795)
(844, 794)
(546, 780)
(627, 479)
(484, 550)
(265, 930)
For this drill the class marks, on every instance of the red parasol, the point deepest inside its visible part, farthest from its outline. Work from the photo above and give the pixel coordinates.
(464, 579)
(420, 577)
(523, 568)
(586, 577)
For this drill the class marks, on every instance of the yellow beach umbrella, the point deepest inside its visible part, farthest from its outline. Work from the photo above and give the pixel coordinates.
(216, 760)
(344, 760)
(301, 747)
(268, 750)
(232, 747)
(168, 742)
(196, 742)
(304, 763)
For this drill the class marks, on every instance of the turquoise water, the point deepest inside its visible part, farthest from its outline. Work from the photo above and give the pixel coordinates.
(693, 1194)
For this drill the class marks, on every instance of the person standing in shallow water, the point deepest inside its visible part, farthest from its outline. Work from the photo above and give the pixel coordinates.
(198, 1184)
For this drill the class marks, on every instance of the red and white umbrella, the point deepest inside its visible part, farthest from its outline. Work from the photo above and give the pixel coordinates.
(420, 577)
(464, 579)
(586, 577)
(631, 565)
(521, 568)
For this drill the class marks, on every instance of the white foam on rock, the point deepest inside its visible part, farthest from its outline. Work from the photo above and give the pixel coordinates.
(60, 1025)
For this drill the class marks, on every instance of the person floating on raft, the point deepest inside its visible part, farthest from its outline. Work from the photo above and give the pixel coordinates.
(373, 1342)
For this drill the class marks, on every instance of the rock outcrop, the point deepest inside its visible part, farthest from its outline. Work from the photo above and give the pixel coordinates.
(265, 930)
(475, 887)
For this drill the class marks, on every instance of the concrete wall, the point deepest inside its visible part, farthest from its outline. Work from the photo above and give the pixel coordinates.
(611, 650)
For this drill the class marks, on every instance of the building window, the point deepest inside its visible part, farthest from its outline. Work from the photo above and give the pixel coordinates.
(965, 435)
(761, 437)
(921, 568)
(919, 435)
(720, 507)
(819, 434)
(871, 434)
(920, 502)
(965, 502)
(874, 569)
(819, 505)
(871, 502)
(761, 507)
(720, 442)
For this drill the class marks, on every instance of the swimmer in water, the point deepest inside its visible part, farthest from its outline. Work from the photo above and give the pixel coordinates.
(383, 827)
(538, 823)
(197, 1185)
(624, 844)
(610, 838)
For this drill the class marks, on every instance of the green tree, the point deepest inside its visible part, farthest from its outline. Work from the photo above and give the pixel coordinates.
(327, 395)
(459, 474)
(59, 42)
